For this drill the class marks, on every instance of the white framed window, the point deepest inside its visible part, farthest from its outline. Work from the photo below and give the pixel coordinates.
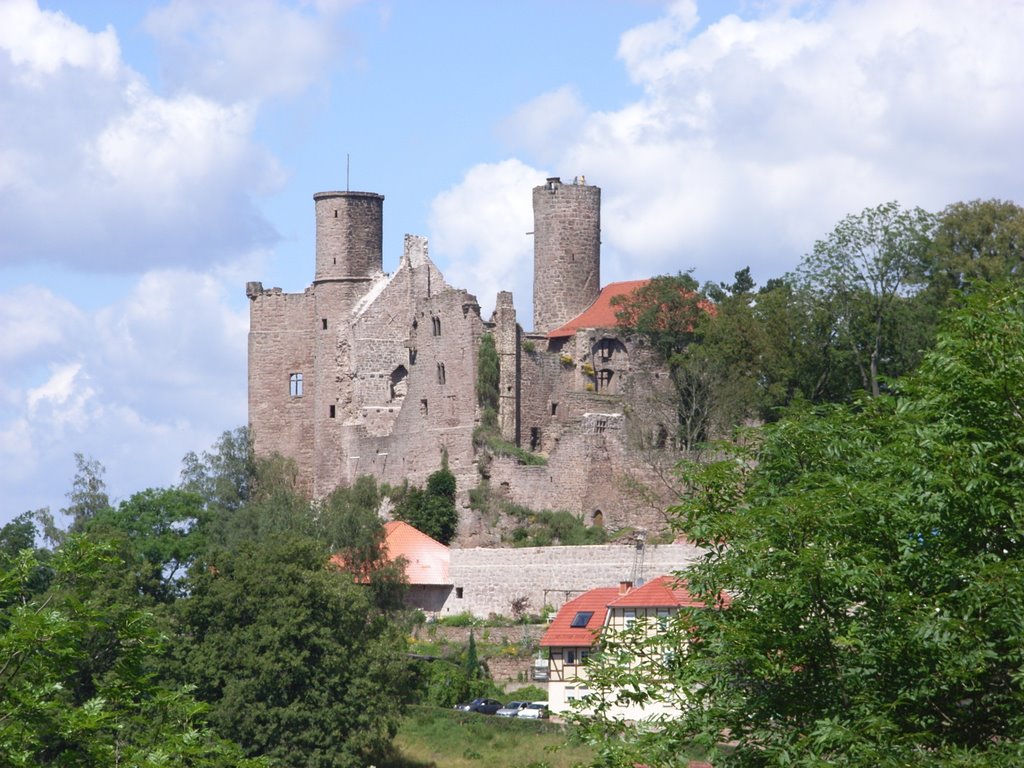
(295, 384)
(628, 617)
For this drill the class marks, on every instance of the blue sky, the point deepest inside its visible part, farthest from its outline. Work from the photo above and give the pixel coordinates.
(154, 156)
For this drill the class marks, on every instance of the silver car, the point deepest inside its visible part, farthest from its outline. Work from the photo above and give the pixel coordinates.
(512, 709)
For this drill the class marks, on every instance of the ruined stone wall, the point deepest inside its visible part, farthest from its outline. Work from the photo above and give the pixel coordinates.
(438, 410)
(281, 344)
(488, 580)
(508, 345)
(544, 380)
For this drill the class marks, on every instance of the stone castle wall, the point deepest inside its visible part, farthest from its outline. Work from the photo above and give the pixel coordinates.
(486, 581)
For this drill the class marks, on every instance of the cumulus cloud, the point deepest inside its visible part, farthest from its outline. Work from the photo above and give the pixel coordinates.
(269, 50)
(483, 227)
(752, 136)
(136, 384)
(99, 172)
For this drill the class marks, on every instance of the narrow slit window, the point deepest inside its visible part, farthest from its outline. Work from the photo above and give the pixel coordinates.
(295, 385)
(440, 373)
(331, 411)
(324, 323)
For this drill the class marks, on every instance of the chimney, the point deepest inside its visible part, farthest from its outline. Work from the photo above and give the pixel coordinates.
(624, 587)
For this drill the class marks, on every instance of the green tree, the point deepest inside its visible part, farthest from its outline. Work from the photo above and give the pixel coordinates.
(866, 272)
(873, 555)
(76, 676)
(668, 311)
(223, 477)
(290, 656)
(157, 534)
(488, 383)
(433, 510)
(471, 663)
(981, 240)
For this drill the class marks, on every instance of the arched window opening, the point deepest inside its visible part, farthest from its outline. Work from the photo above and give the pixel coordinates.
(398, 385)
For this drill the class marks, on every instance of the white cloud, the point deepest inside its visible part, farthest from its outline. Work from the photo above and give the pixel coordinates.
(754, 135)
(135, 384)
(33, 322)
(41, 43)
(233, 53)
(482, 227)
(99, 172)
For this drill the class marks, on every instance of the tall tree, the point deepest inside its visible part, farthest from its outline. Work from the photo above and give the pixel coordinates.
(224, 476)
(869, 265)
(668, 311)
(289, 654)
(76, 676)
(873, 554)
(980, 240)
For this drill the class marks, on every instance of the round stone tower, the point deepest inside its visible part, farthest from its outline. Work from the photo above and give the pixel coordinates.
(349, 235)
(566, 251)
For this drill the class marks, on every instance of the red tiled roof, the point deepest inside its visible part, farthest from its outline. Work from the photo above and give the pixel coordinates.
(600, 314)
(660, 592)
(561, 634)
(427, 560)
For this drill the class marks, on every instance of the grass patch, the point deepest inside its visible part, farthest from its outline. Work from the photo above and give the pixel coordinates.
(430, 737)
(488, 437)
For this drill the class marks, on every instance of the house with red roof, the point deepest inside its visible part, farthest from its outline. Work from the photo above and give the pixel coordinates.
(427, 564)
(578, 628)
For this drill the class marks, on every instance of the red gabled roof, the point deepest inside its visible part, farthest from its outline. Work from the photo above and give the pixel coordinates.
(560, 633)
(426, 560)
(600, 314)
(660, 592)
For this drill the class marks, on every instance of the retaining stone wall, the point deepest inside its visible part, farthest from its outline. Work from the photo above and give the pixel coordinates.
(490, 579)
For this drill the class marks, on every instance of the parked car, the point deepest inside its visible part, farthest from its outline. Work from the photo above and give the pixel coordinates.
(535, 710)
(483, 706)
(512, 709)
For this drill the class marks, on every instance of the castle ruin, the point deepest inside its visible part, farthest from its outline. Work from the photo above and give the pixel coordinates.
(372, 373)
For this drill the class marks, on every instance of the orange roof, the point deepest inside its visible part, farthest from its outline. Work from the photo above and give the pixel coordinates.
(660, 592)
(426, 560)
(561, 633)
(600, 314)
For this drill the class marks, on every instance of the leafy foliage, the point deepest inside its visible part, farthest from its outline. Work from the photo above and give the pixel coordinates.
(432, 510)
(224, 476)
(290, 655)
(75, 675)
(873, 555)
(866, 271)
(488, 381)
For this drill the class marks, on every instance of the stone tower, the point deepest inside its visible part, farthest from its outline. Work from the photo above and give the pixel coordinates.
(566, 251)
(349, 236)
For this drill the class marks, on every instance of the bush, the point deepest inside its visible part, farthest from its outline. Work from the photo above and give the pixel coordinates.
(528, 693)
(464, 619)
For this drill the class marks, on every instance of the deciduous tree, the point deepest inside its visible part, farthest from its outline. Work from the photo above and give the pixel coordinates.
(875, 561)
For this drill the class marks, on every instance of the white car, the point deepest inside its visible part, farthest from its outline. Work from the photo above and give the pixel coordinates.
(535, 710)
